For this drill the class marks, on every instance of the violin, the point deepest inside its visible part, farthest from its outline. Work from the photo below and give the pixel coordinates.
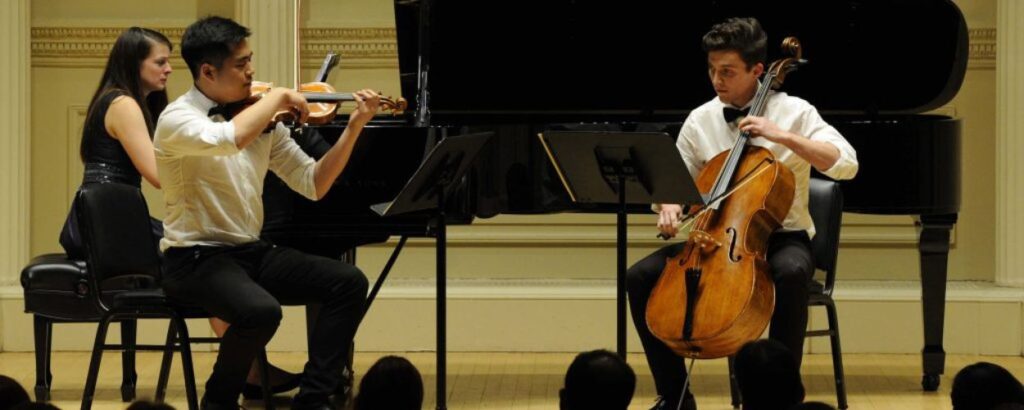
(717, 293)
(323, 103)
(322, 97)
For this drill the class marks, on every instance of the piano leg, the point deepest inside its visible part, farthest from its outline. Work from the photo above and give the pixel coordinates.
(933, 246)
(442, 296)
(620, 273)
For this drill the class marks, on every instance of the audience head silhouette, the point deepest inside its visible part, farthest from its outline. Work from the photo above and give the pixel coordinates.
(392, 383)
(11, 393)
(35, 405)
(984, 386)
(768, 376)
(598, 380)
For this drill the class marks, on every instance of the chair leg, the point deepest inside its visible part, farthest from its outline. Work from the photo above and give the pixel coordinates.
(43, 332)
(734, 386)
(837, 354)
(129, 331)
(268, 394)
(49, 356)
(94, 362)
(186, 362)
(165, 363)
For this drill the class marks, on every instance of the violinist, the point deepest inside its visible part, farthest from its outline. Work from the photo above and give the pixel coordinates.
(212, 170)
(117, 146)
(799, 138)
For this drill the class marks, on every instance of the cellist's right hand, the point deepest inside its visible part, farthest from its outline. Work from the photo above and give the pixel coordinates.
(668, 220)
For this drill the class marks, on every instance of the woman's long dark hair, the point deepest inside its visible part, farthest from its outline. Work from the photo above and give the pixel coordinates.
(122, 75)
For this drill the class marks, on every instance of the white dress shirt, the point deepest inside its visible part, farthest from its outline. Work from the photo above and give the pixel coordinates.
(706, 134)
(213, 190)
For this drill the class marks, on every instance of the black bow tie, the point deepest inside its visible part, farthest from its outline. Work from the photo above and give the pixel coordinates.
(731, 114)
(222, 110)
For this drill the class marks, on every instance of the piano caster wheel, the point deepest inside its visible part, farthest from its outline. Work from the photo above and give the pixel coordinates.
(930, 382)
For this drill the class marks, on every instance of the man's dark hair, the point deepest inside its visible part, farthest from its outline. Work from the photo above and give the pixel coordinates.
(392, 383)
(211, 40)
(598, 380)
(743, 35)
(768, 376)
(985, 385)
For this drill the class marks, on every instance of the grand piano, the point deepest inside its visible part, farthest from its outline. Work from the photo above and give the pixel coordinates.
(519, 68)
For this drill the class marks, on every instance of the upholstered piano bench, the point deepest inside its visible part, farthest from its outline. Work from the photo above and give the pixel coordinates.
(57, 289)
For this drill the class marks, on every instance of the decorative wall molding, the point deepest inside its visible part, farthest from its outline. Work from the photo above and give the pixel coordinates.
(982, 52)
(368, 47)
(85, 46)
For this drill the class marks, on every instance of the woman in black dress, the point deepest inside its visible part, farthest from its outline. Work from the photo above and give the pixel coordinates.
(116, 143)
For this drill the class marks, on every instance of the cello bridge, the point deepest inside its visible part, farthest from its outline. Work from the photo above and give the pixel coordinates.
(704, 241)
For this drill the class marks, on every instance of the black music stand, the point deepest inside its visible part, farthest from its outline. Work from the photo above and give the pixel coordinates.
(426, 190)
(620, 168)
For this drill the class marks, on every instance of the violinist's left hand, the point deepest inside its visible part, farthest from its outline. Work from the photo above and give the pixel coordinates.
(367, 104)
(762, 127)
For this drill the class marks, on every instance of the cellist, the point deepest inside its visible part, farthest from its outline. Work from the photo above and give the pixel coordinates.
(795, 133)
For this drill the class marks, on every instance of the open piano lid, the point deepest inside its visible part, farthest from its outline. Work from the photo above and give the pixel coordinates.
(562, 60)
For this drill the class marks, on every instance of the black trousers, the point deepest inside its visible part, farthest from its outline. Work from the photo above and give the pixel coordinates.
(792, 264)
(245, 285)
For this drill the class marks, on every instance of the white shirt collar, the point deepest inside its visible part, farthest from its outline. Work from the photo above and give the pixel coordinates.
(200, 100)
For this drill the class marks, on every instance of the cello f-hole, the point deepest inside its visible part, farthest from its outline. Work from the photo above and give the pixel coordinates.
(732, 245)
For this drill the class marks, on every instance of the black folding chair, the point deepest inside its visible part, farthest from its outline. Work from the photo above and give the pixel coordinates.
(826, 207)
(120, 249)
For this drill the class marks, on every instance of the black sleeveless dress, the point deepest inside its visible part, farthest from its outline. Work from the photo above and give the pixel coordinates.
(106, 161)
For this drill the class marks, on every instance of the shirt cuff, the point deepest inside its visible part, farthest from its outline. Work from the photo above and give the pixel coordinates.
(226, 138)
(844, 168)
(310, 186)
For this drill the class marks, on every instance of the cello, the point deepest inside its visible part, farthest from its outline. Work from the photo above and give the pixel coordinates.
(717, 293)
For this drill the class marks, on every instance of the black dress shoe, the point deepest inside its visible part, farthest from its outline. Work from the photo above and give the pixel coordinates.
(311, 402)
(212, 405)
(344, 393)
(255, 391)
(319, 406)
